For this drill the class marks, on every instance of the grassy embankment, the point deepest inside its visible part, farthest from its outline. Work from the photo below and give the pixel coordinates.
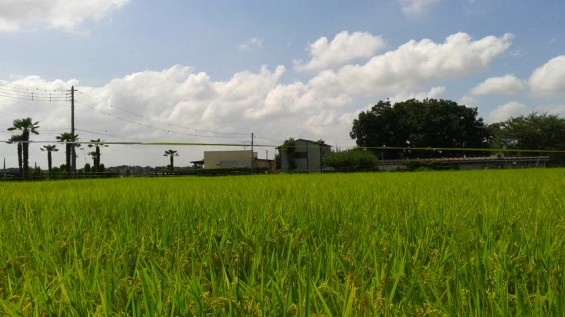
(477, 243)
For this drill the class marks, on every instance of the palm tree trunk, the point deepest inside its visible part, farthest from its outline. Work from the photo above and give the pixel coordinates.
(49, 161)
(25, 136)
(26, 159)
(68, 152)
(172, 166)
(97, 159)
(20, 160)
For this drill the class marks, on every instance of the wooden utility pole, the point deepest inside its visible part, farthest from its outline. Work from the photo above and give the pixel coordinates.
(252, 160)
(73, 154)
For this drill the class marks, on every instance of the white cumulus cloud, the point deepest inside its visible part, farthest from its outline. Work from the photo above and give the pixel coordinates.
(416, 7)
(508, 110)
(178, 104)
(412, 65)
(252, 43)
(549, 78)
(508, 84)
(68, 15)
(433, 93)
(344, 48)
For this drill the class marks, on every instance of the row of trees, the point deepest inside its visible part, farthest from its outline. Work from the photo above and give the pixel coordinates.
(413, 128)
(27, 127)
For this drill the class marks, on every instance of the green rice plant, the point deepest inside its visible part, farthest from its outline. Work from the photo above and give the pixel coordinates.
(467, 243)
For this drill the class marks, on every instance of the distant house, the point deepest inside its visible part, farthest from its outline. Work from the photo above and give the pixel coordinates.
(308, 157)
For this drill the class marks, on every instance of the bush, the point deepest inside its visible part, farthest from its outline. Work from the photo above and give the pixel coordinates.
(352, 160)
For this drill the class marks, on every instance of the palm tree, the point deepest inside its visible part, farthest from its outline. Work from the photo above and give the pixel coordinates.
(69, 139)
(97, 144)
(171, 154)
(93, 154)
(27, 126)
(49, 149)
(18, 138)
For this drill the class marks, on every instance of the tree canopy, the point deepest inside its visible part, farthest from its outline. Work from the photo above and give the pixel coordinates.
(429, 123)
(531, 132)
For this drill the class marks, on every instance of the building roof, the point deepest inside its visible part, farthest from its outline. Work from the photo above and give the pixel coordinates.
(307, 141)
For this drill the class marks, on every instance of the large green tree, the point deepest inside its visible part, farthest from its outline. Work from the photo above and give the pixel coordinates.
(28, 127)
(430, 123)
(70, 140)
(531, 132)
(171, 154)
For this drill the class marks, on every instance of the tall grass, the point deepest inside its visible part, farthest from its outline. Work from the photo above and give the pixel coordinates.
(477, 243)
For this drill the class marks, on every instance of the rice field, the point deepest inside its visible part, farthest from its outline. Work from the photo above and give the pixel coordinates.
(468, 243)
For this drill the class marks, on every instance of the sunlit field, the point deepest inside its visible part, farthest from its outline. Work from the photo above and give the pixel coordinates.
(467, 243)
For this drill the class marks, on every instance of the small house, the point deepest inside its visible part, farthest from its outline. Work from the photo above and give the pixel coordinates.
(305, 157)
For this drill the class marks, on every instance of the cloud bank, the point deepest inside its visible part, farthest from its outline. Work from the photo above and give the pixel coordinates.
(343, 49)
(178, 104)
(16, 15)
(416, 7)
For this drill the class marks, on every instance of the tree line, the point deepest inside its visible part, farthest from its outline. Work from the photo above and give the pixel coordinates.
(26, 127)
(432, 128)
(413, 128)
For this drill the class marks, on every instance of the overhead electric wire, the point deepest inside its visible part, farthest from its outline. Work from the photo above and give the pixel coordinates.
(98, 133)
(168, 123)
(15, 91)
(273, 145)
(10, 90)
(155, 127)
(31, 98)
(152, 127)
(13, 86)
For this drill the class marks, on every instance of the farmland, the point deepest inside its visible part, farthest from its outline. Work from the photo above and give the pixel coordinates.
(468, 243)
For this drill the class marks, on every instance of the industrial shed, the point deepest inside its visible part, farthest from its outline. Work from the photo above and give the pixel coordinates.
(308, 156)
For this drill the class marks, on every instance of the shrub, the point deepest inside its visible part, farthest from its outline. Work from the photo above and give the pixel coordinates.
(352, 160)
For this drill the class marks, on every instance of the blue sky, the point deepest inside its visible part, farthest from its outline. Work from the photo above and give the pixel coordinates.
(216, 71)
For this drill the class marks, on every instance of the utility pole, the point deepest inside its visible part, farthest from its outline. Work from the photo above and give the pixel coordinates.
(73, 155)
(252, 160)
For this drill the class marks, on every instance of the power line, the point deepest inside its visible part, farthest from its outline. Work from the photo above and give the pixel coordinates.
(168, 130)
(31, 97)
(164, 123)
(19, 92)
(13, 86)
(13, 91)
(272, 145)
